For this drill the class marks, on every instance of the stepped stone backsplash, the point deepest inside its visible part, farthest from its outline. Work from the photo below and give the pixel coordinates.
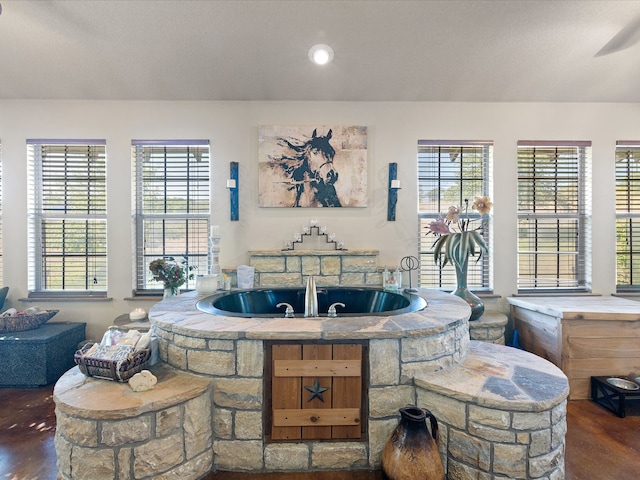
(275, 268)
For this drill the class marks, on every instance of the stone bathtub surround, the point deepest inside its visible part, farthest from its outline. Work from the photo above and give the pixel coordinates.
(275, 268)
(105, 431)
(501, 410)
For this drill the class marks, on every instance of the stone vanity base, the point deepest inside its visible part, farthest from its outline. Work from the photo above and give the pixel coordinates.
(106, 431)
(501, 414)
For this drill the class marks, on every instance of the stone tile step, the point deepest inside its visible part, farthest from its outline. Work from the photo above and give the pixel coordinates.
(98, 399)
(501, 377)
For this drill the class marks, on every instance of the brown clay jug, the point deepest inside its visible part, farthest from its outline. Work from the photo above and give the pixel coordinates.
(411, 453)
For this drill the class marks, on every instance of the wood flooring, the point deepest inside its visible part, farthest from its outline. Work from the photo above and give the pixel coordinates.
(599, 445)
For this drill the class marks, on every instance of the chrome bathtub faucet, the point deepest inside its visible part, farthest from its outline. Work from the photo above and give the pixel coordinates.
(288, 313)
(332, 309)
(311, 298)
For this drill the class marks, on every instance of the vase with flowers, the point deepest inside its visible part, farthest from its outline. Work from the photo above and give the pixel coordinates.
(458, 237)
(171, 274)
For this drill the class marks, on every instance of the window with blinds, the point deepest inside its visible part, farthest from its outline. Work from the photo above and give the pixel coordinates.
(1, 243)
(628, 216)
(172, 206)
(554, 216)
(450, 173)
(67, 217)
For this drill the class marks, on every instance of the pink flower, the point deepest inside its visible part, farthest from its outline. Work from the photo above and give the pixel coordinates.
(439, 226)
(482, 205)
(453, 214)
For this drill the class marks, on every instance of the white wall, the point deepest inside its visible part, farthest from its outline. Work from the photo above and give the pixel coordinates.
(232, 127)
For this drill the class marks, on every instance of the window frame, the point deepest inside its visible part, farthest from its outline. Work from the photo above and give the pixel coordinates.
(42, 211)
(580, 281)
(431, 275)
(1, 229)
(143, 284)
(627, 215)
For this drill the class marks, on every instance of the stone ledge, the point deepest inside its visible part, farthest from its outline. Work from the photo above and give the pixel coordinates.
(317, 253)
(490, 319)
(179, 315)
(97, 399)
(496, 376)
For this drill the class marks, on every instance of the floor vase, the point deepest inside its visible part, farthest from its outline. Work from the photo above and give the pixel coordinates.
(411, 452)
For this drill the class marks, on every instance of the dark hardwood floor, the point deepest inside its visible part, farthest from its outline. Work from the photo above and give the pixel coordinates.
(599, 444)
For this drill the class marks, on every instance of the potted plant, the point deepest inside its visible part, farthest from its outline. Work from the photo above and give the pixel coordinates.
(171, 274)
(458, 237)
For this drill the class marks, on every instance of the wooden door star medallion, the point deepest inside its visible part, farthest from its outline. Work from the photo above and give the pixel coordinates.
(316, 391)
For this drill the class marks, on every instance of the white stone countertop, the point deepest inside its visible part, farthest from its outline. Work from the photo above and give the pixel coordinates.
(581, 307)
(180, 315)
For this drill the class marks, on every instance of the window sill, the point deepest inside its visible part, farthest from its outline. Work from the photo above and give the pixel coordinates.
(486, 295)
(70, 298)
(142, 298)
(557, 294)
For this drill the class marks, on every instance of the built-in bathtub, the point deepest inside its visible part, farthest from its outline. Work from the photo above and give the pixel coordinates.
(501, 411)
(270, 302)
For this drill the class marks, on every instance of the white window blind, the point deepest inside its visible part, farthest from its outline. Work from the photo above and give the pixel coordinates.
(554, 216)
(628, 216)
(1, 242)
(172, 202)
(67, 217)
(450, 172)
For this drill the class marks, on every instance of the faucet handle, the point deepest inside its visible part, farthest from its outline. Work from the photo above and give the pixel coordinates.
(288, 313)
(332, 309)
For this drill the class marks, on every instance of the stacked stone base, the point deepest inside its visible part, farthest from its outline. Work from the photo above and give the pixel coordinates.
(501, 413)
(509, 423)
(105, 431)
(489, 327)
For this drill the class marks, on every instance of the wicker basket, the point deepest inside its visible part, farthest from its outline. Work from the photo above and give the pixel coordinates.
(110, 369)
(22, 322)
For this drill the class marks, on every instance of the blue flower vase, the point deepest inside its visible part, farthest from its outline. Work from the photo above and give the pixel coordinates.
(477, 307)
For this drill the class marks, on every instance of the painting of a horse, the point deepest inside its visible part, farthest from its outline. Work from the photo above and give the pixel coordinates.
(298, 169)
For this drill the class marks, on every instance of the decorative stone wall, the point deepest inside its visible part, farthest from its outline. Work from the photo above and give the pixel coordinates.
(236, 366)
(501, 411)
(500, 401)
(104, 431)
(510, 423)
(274, 268)
(489, 327)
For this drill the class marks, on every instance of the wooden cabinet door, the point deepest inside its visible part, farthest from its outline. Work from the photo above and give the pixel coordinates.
(316, 391)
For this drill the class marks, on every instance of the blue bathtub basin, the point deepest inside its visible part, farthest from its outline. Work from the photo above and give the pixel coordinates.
(358, 301)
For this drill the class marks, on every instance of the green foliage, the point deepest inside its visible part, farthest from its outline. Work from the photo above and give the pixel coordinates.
(458, 247)
(170, 273)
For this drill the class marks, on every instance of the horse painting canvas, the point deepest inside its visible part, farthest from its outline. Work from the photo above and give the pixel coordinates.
(321, 166)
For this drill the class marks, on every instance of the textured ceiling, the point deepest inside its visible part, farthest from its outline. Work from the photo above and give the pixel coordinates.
(467, 50)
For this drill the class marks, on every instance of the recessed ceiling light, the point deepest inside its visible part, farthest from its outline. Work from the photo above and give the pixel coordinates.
(321, 54)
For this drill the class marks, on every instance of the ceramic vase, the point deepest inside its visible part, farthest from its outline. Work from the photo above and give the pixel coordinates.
(477, 307)
(411, 452)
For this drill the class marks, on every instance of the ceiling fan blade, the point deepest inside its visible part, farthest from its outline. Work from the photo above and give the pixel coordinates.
(625, 38)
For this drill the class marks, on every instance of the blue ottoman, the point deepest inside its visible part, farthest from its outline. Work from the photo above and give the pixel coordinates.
(38, 357)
